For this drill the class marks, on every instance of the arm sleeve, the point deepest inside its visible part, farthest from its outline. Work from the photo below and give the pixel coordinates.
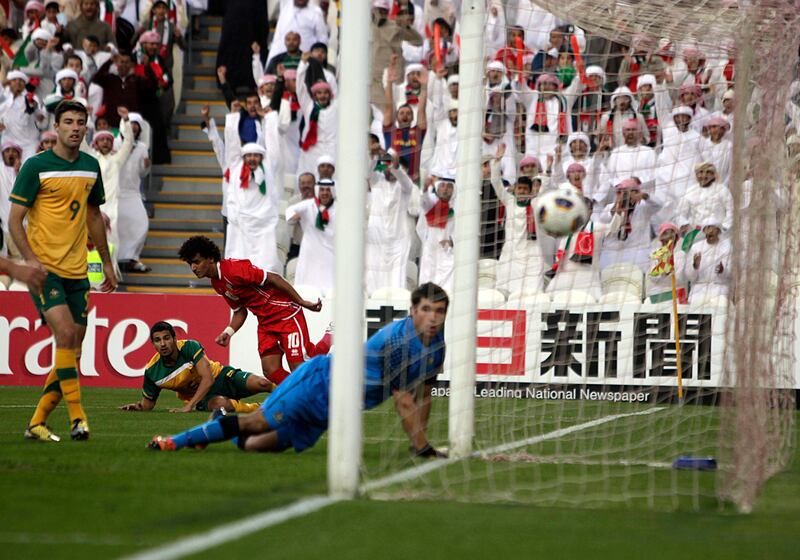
(26, 187)
(246, 273)
(193, 350)
(150, 390)
(303, 94)
(98, 195)
(216, 143)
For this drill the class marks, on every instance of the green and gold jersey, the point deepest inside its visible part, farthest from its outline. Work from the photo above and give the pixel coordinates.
(181, 377)
(57, 191)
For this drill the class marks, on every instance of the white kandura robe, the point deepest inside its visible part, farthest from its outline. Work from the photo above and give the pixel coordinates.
(253, 219)
(436, 261)
(133, 221)
(20, 127)
(327, 124)
(675, 172)
(660, 284)
(7, 177)
(623, 163)
(705, 281)
(635, 249)
(111, 167)
(444, 161)
(703, 204)
(721, 155)
(523, 260)
(315, 263)
(576, 275)
(387, 242)
(540, 144)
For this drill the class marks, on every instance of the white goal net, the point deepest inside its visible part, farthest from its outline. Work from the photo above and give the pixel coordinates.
(648, 357)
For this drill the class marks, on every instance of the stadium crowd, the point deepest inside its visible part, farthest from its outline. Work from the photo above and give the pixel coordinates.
(643, 131)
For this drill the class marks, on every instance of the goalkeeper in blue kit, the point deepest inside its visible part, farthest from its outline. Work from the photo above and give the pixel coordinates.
(402, 361)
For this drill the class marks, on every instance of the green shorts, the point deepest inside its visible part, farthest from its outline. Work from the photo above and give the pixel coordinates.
(231, 383)
(64, 291)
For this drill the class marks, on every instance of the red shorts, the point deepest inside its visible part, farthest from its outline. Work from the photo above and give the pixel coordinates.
(288, 336)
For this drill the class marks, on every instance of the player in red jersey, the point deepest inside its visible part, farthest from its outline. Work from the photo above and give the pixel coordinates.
(278, 307)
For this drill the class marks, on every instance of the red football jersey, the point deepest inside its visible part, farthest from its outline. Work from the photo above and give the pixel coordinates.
(242, 285)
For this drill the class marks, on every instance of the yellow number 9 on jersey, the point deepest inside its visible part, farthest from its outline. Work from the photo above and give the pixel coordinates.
(75, 206)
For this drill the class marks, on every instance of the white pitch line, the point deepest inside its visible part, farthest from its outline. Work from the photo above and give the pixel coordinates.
(235, 529)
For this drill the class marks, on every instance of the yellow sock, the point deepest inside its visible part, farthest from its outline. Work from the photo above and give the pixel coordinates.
(49, 400)
(239, 406)
(67, 372)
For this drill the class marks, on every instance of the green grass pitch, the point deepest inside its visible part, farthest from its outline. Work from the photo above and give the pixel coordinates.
(109, 497)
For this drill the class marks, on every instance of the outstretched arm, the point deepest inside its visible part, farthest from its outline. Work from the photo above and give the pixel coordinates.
(33, 277)
(203, 368)
(237, 320)
(143, 405)
(278, 281)
(414, 414)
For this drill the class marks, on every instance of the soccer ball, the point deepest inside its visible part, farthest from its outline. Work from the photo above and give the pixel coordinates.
(562, 211)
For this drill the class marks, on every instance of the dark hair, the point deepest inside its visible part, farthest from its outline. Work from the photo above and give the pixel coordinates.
(69, 105)
(199, 245)
(161, 326)
(441, 22)
(52, 5)
(93, 39)
(430, 291)
(525, 180)
(319, 46)
(125, 52)
(73, 56)
(10, 33)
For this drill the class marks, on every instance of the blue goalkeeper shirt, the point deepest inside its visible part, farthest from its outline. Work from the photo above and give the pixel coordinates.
(396, 359)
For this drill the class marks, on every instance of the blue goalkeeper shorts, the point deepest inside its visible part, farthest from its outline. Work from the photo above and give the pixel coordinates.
(298, 409)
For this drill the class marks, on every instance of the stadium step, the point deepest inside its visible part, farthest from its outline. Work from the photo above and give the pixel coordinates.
(200, 70)
(199, 225)
(167, 290)
(211, 169)
(193, 131)
(168, 265)
(185, 196)
(187, 211)
(216, 108)
(203, 93)
(205, 57)
(193, 157)
(185, 279)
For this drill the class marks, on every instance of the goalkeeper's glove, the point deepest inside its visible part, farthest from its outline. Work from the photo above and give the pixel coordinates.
(428, 452)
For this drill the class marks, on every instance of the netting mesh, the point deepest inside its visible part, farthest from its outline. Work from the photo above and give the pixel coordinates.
(577, 384)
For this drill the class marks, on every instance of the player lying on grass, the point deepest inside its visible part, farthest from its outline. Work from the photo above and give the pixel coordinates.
(402, 360)
(202, 384)
(276, 304)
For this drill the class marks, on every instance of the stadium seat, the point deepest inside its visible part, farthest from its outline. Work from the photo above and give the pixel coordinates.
(17, 286)
(622, 277)
(489, 298)
(291, 268)
(573, 298)
(289, 184)
(529, 299)
(311, 293)
(487, 267)
(412, 274)
(711, 302)
(618, 298)
(388, 293)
